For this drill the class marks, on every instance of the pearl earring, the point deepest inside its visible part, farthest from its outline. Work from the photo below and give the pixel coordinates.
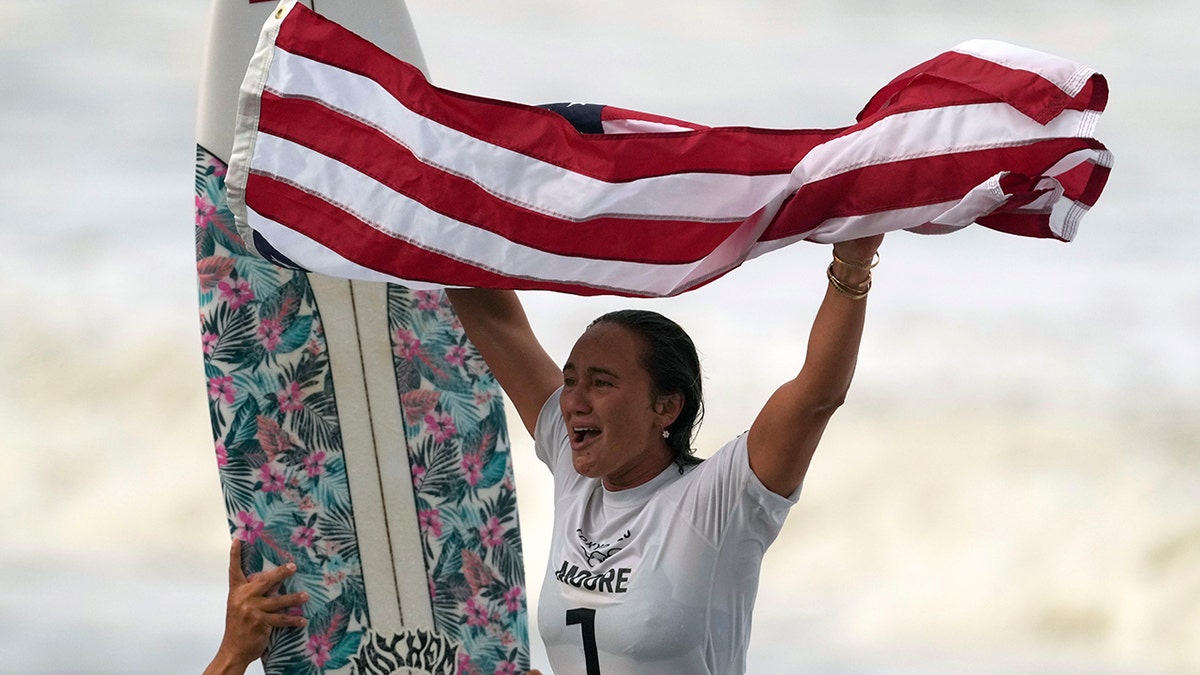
(666, 434)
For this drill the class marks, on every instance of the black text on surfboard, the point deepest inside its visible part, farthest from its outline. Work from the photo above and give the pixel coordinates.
(420, 650)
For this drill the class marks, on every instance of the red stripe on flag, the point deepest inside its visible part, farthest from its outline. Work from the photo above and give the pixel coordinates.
(1036, 225)
(1085, 182)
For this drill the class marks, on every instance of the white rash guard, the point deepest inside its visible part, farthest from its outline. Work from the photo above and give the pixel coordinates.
(659, 579)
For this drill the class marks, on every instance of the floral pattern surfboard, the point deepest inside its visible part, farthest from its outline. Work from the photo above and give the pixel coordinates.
(273, 406)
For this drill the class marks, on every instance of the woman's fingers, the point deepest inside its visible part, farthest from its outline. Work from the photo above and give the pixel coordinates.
(259, 582)
(264, 581)
(278, 602)
(280, 620)
(236, 575)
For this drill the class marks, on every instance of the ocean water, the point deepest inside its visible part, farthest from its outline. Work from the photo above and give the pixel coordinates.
(1012, 487)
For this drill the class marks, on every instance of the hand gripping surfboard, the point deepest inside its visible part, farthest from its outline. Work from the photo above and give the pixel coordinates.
(357, 432)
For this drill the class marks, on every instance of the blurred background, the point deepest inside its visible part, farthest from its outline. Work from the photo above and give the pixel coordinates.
(1012, 487)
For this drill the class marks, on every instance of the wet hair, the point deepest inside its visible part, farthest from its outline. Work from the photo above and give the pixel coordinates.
(671, 360)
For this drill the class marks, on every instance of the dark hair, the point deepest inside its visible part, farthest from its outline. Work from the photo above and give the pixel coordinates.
(674, 366)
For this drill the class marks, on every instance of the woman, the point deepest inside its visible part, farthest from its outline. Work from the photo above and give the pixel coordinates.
(655, 556)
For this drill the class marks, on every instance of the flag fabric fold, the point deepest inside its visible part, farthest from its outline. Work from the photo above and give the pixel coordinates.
(348, 162)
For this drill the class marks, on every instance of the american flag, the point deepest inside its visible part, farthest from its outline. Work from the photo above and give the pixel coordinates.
(348, 162)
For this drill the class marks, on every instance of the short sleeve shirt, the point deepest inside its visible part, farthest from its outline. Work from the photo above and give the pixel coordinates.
(659, 579)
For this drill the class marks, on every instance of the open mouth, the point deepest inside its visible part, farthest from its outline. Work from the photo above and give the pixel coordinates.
(581, 435)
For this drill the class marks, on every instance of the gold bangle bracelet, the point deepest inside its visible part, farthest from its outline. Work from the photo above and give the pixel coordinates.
(869, 265)
(852, 292)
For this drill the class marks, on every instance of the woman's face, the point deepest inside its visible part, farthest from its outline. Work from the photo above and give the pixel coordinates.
(613, 420)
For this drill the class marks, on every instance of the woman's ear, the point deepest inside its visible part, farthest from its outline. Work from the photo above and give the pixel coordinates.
(668, 408)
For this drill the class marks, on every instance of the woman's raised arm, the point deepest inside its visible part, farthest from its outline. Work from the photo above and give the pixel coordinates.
(496, 323)
(785, 435)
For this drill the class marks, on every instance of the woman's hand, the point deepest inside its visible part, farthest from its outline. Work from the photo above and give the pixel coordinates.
(860, 254)
(860, 250)
(251, 614)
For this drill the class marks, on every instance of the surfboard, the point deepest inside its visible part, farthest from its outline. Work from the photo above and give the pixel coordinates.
(357, 432)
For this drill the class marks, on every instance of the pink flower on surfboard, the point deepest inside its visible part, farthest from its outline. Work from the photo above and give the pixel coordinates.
(270, 333)
(492, 533)
(428, 300)
(407, 346)
(314, 463)
(209, 342)
(273, 479)
(472, 468)
(477, 612)
(317, 649)
(303, 536)
(440, 425)
(430, 520)
(237, 293)
(512, 599)
(217, 167)
(456, 355)
(247, 527)
(221, 388)
(291, 398)
(206, 213)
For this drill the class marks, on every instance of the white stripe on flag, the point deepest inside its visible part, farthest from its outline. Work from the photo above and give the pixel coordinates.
(929, 133)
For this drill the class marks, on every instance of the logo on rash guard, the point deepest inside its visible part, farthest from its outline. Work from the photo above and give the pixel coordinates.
(615, 580)
(595, 552)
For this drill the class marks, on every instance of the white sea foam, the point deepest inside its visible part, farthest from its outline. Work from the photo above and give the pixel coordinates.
(1010, 488)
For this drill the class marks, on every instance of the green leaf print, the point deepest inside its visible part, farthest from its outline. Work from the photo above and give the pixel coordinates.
(295, 335)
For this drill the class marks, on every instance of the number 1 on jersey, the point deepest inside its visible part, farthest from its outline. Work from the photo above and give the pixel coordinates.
(586, 618)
